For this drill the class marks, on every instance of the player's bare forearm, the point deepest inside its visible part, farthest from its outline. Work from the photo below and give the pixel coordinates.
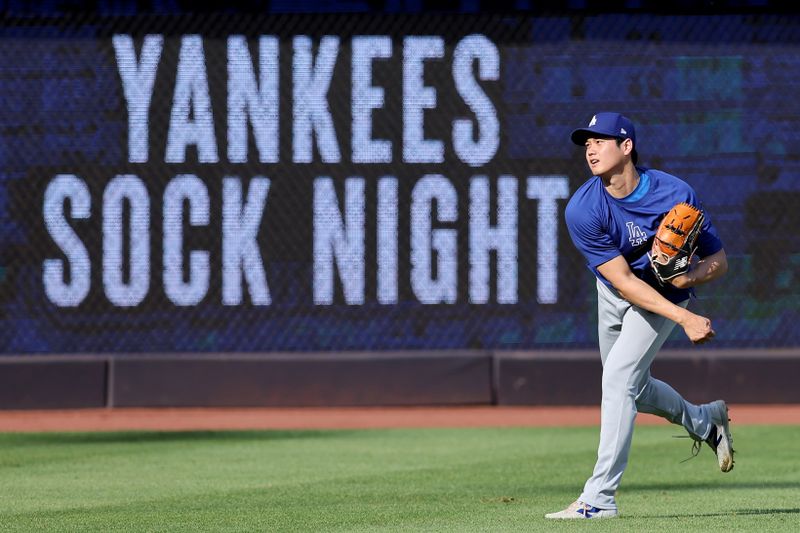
(643, 295)
(640, 294)
(637, 291)
(697, 328)
(703, 271)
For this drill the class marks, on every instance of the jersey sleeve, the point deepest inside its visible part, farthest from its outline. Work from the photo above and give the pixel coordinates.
(589, 235)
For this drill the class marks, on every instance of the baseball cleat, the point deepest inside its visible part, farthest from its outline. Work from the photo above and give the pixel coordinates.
(578, 509)
(720, 439)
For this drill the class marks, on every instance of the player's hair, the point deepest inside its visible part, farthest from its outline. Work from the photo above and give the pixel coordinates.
(634, 154)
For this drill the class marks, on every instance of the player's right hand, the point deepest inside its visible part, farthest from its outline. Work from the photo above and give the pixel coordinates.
(698, 329)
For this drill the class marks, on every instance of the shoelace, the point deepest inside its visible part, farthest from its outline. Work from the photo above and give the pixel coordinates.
(697, 445)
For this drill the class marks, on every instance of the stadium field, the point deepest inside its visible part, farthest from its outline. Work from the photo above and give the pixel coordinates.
(496, 478)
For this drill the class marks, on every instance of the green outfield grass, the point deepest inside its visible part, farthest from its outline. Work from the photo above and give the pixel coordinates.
(387, 480)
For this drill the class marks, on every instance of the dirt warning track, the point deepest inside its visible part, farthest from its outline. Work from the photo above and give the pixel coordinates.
(210, 419)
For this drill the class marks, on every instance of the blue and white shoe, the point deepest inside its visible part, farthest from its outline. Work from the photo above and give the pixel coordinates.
(578, 509)
(720, 439)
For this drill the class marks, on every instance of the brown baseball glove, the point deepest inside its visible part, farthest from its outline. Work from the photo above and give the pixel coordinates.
(675, 241)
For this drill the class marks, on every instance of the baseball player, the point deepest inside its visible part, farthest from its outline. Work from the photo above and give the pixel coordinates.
(612, 219)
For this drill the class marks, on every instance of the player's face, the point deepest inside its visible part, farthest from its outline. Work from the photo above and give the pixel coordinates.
(604, 155)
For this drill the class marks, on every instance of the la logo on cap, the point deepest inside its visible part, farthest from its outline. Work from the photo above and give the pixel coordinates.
(593, 121)
(622, 131)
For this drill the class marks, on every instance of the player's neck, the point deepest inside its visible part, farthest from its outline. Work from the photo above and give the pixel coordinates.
(620, 183)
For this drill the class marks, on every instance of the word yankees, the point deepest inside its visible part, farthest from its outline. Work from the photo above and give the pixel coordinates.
(253, 97)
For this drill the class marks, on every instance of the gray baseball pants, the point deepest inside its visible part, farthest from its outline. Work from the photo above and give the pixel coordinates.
(630, 337)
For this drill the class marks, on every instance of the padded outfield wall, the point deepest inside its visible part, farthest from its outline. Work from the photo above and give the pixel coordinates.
(182, 195)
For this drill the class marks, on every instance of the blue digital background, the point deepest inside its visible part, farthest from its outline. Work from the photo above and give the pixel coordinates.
(714, 98)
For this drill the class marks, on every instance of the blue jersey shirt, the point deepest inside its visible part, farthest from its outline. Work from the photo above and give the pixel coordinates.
(603, 227)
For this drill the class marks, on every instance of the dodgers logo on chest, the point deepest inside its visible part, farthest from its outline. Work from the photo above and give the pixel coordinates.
(635, 234)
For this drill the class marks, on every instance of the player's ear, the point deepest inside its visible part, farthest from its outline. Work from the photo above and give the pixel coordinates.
(627, 146)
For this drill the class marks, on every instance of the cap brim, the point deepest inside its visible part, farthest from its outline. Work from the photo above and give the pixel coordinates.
(580, 135)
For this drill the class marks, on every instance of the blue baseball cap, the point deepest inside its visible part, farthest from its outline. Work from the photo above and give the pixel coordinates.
(606, 124)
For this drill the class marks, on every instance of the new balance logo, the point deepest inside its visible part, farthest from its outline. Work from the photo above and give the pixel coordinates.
(681, 262)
